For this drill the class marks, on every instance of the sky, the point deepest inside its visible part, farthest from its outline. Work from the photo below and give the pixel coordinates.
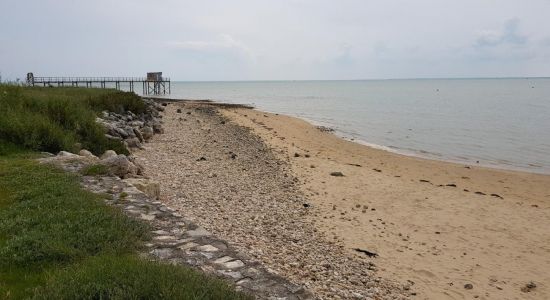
(222, 40)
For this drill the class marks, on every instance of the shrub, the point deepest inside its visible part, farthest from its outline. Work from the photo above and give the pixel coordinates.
(58, 119)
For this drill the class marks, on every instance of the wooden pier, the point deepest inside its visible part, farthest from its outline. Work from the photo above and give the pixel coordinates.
(153, 84)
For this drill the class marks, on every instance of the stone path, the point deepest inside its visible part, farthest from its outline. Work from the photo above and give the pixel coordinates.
(180, 242)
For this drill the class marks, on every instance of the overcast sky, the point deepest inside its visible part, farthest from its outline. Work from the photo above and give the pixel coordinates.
(277, 39)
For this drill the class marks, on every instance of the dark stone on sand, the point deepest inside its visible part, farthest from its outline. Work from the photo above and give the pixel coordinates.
(222, 122)
(480, 193)
(367, 252)
(337, 174)
(424, 180)
(307, 155)
(296, 155)
(164, 104)
(306, 205)
(233, 156)
(178, 111)
(497, 196)
(468, 286)
(437, 232)
(528, 287)
(377, 170)
(451, 184)
(188, 112)
(202, 158)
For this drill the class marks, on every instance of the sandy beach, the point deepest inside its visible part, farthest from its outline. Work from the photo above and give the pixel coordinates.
(440, 230)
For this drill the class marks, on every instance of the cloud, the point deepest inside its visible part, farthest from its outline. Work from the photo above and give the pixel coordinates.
(224, 43)
(505, 45)
(509, 35)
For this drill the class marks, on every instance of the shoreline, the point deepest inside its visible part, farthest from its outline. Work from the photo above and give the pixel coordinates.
(421, 154)
(436, 226)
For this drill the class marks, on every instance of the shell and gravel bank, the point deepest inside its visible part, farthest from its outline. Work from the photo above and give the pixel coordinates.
(224, 178)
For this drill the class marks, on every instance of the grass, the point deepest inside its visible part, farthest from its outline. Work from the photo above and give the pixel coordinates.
(58, 241)
(54, 119)
(95, 170)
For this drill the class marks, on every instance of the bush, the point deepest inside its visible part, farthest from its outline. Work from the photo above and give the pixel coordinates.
(45, 119)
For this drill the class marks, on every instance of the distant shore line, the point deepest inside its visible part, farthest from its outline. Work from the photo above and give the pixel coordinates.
(421, 154)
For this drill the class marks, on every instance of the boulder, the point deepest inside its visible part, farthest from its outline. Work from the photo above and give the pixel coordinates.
(66, 154)
(87, 153)
(120, 166)
(157, 128)
(138, 135)
(121, 132)
(149, 187)
(108, 154)
(138, 124)
(147, 133)
(133, 143)
(111, 137)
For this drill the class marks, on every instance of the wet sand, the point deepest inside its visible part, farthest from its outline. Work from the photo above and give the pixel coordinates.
(453, 231)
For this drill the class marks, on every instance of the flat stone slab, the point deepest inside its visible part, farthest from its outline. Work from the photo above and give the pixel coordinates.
(233, 264)
(199, 231)
(223, 260)
(207, 248)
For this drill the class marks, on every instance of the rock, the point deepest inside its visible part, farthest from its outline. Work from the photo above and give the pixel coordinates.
(147, 133)
(199, 231)
(233, 264)
(157, 128)
(138, 135)
(468, 286)
(337, 174)
(108, 154)
(120, 166)
(133, 143)
(111, 137)
(149, 187)
(86, 153)
(178, 111)
(207, 248)
(121, 132)
(140, 167)
(164, 104)
(163, 253)
(296, 155)
(66, 154)
(528, 287)
(137, 124)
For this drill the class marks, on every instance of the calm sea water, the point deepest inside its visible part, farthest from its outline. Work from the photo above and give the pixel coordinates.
(499, 122)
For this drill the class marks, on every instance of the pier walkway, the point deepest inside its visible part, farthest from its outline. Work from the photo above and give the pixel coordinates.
(154, 83)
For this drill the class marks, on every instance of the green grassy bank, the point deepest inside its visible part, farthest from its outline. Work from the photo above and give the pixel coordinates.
(58, 241)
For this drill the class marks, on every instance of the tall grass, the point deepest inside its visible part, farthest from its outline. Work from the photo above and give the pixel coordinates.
(54, 119)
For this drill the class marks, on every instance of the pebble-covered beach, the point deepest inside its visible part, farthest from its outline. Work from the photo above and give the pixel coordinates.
(225, 178)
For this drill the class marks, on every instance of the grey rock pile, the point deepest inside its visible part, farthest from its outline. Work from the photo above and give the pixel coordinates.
(133, 130)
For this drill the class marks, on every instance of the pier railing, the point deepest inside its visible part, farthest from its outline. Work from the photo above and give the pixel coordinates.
(151, 84)
(94, 79)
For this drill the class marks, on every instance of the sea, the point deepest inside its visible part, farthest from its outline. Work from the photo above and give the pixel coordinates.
(499, 123)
